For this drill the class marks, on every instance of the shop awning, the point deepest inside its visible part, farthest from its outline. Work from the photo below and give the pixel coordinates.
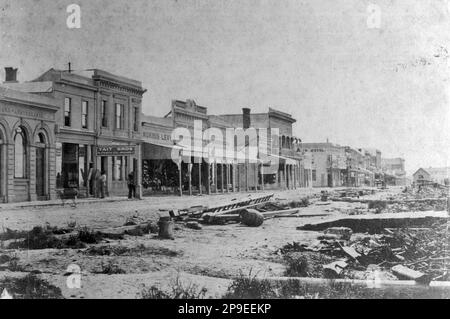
(285, 160)
(158, 151)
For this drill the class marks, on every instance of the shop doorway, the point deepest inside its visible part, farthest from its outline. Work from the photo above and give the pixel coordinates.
(40, 173)
(70, 165)
(41, 168)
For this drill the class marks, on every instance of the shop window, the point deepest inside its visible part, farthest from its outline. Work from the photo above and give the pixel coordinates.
(20, 154)
(119, 116)
(104, 118)
(135, 119)
(117, 168)
(67, 111)
(84, 114)
(82, 165)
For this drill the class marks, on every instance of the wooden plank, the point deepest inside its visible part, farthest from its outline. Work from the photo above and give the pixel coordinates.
(277, 213)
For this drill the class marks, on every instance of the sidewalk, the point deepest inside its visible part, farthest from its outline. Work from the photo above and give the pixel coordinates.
(58, 202)
(210, 199)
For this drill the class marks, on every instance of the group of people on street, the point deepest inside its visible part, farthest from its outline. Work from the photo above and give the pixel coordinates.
(100, 180)
(102, 185)
(98, 186)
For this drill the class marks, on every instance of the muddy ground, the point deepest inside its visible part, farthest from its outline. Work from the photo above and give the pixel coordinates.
(208, 258)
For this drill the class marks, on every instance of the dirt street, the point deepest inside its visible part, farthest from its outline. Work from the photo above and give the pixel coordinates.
(208, 257)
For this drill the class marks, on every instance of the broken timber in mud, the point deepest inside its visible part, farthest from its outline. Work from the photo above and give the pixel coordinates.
(232, 212)
(226, 209)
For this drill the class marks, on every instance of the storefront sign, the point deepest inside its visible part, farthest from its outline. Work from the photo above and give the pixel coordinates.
(157, 136)
(25, 112)
(115, 150)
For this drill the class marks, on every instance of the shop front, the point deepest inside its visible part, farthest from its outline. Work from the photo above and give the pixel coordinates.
(118, 162)
(27, 151)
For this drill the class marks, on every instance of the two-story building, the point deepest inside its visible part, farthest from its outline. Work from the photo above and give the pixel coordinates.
(328, 163)
(200, 172)
(97, 127)
(27, 143)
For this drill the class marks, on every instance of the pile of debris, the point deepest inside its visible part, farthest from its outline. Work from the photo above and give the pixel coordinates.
(251, 212)
(417, 206)
(419, 254)
(421, 192)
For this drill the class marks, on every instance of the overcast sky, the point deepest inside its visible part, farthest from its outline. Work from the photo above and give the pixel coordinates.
(381, 87)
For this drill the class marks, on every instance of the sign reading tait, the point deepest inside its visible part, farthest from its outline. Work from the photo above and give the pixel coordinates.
(115, 150)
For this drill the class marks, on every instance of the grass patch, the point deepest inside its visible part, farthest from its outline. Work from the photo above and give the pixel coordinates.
(46, 237)
(10, 263)
(249, 287)
(178, 290)
(115, 250)
(306, 264)
(30, 287)
(38, 238)
(110, 268)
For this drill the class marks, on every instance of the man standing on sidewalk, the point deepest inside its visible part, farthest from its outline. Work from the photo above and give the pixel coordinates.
(102, 184)
(131, 186)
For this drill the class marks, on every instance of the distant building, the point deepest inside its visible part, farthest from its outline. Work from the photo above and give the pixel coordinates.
(357, 172)
(394, 171)
(439, 175)
(328, 163)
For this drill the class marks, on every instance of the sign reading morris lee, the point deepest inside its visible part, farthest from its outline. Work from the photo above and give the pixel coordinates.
(115, 150)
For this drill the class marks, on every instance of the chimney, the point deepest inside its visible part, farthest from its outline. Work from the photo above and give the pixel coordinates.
(10, 75)
(245, 118)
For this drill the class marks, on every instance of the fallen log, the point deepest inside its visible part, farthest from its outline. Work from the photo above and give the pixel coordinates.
(252, 218)
(133, 230)
(221, 219)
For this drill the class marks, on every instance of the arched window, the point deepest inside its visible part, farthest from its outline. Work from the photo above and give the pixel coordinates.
(40, 138)
(283, 141)
(20, 154)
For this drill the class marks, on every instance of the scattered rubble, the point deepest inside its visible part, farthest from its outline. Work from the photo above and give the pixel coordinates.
(419, 253)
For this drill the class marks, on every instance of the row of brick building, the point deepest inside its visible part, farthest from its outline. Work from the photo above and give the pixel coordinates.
(333, 165)
(62, 130)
